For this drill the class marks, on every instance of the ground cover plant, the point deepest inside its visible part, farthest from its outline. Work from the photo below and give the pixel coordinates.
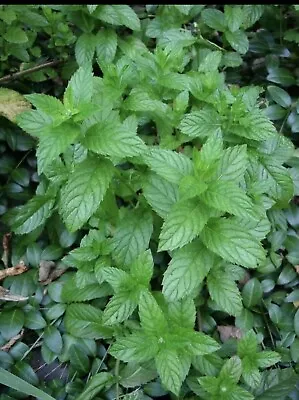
(149, 176)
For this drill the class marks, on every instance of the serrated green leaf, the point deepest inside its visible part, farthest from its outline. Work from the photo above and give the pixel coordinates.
(232, 369)
(35, 122)
(182, 312)
(112, 139)
(85, 49)
(211, 62)
(233, 163)
(84, 191)
(119, 308)
(250, 372)
(50, 146)
(187, 269)
(136, 347)
(132, 235)
(252, 14)
(141, 269)
(106, 44)
(227, 197)
(224, 291)
(266, 359)
(47, 104)
(247, 345)
(184, 222)
(233, 243)
(97, 383)
(200, 123)
(168, 164)
(115, 277)
(215, 19)
(27, 218)
(234, 17)
(160, 194)
(85, 321)
(151, 316)
(118, 14)
(238, 40)
(80, 88)
(170, 370)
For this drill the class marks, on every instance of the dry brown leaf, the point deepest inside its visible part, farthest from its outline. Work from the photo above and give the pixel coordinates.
(297, 268)
(229, 331)
(296, 304)
(16, 270)
(45, 268)
(12, 103)
(48, 272)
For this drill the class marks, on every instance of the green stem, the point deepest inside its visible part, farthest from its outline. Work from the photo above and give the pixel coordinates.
(116, 373)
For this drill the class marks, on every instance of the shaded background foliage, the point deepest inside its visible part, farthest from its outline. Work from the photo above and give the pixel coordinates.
(264, 52)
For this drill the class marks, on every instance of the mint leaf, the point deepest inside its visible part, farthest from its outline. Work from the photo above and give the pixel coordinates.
(238, 40)
(228, 197)
(170, 370)
(132, 235)
(224, 291)
(136, 347)
(80, 88)
(182, 313)
(151, 316)
(233, 163)
(115, 277)
(142, 268)
(27, 218)
(160, 194)
(232, 369)
(35, 122)
(234, 17)
(200, 123)
(112, 139)
(84, 191)
(119, 308)
(85, 321)
(85, 49)
(233, 243)
(184, 222)
(255, 125)
(266, 359)
(106, 44)
(54, 143)
(215, 19)
(187, 269)
(47, 104)
(168, 164)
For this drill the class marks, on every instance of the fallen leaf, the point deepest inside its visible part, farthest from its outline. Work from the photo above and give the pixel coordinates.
(12, 103)
(45, 269)
(229, 331)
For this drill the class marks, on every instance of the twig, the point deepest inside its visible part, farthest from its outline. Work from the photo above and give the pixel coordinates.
(19, 74)
(116, 373)
(16, 270)
(5, 245)
(12, 341)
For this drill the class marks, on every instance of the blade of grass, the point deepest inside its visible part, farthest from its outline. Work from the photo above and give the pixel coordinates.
(14, 382)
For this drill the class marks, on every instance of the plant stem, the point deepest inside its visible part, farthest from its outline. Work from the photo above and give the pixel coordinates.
(116, 373)
(16, 75)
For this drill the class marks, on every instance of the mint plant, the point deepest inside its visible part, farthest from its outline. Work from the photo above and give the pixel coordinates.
(170, 180)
